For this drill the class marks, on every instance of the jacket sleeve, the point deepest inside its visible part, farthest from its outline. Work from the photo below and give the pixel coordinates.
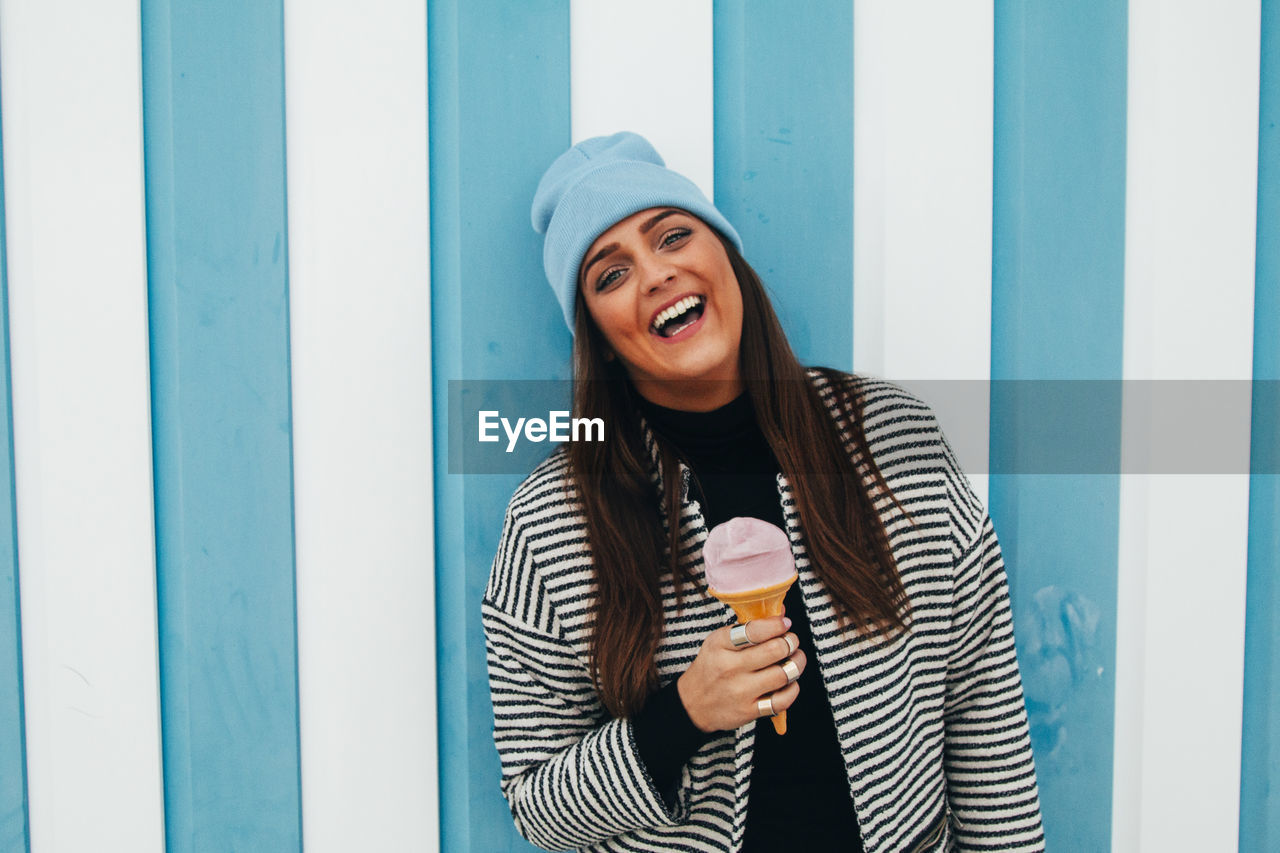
(991, 779)
(571, 774)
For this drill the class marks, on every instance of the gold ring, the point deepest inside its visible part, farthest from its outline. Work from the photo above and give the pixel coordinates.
(764, 707)
(738, 636)
(790, 668)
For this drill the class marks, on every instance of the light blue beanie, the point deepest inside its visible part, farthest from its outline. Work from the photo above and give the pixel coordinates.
(597, 183)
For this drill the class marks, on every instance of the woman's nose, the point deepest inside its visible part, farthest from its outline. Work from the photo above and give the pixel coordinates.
(656, 272)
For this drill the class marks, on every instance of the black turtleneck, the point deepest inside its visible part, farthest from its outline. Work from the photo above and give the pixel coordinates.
(799, 789)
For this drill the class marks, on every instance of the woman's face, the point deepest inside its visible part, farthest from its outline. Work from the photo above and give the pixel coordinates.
(660, 288)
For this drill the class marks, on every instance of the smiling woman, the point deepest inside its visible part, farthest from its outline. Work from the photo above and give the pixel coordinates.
(625, 700)
(660, 288)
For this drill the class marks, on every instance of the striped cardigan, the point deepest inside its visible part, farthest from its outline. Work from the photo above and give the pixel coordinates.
(931, 724)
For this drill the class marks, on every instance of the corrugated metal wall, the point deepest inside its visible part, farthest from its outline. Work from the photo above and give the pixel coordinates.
(247, 245)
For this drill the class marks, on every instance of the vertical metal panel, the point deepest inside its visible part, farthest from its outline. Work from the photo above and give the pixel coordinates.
(82, 453)
(1058, 289)
(360, 332)
(1191, 215)
(13, 760)
(1260, 739)
(784, 160)
(499, 114)
(214, 125)
(669, 103)
(922, 201)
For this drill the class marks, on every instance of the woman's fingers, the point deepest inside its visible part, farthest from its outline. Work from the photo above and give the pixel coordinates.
(755, 632)
(784, 698)
(771, 651)
(721, 688)
(778, 674)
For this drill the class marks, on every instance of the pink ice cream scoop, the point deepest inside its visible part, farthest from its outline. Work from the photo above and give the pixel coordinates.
(745, 554)
(750, 568)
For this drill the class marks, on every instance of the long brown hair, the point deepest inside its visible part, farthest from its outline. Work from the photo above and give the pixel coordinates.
(846, 542)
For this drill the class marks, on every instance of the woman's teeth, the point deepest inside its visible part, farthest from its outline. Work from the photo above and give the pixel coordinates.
(673, 311)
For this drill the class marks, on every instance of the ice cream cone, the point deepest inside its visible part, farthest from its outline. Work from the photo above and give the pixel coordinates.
(757, 604)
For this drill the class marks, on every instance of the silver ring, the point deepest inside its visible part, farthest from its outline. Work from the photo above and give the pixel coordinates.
(738, 636)
(764, 707)
(790, 668)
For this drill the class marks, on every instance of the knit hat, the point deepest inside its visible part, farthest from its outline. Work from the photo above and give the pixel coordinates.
(594, 185)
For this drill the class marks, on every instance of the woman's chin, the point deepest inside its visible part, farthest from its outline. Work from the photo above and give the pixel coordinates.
(697, 367)
(695, 385)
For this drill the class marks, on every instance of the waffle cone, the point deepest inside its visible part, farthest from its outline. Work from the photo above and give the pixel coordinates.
(757, 604)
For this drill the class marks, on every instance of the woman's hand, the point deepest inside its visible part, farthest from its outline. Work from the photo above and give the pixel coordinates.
(720, 688)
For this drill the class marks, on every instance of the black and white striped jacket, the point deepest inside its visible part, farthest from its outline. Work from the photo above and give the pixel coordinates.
(932, 724)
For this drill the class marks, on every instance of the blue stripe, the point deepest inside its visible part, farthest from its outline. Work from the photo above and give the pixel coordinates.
(15, 832)
(213, 100)
(1260, 756)
(784, 160)
(1057, 312)
(498, 78)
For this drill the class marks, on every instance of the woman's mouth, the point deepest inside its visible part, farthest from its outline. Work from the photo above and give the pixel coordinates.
(678, 317)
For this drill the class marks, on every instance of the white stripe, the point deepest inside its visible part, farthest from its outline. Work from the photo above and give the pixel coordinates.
(361, 354)
(1189, 267)
(646, 67)
(82, 441)
(923, 78)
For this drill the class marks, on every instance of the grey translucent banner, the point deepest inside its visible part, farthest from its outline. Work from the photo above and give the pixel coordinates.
(995, 427)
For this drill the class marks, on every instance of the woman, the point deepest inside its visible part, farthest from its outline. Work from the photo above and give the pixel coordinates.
(625, 702)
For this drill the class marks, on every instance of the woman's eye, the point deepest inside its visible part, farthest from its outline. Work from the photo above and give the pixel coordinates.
(609, 277)
(674, 236)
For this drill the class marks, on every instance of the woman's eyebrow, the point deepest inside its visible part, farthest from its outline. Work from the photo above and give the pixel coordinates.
(647, 226)
(603, 253)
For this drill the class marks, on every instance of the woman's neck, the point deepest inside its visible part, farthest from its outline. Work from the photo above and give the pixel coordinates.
(695, 395)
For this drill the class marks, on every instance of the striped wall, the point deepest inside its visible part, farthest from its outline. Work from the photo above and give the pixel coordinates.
(1191, 200)
(490, 141)
(244, 247)
(13, 771)
(360, 334)
(76, 254)
(1057, 293)
(1260, 754)
(217, 271)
